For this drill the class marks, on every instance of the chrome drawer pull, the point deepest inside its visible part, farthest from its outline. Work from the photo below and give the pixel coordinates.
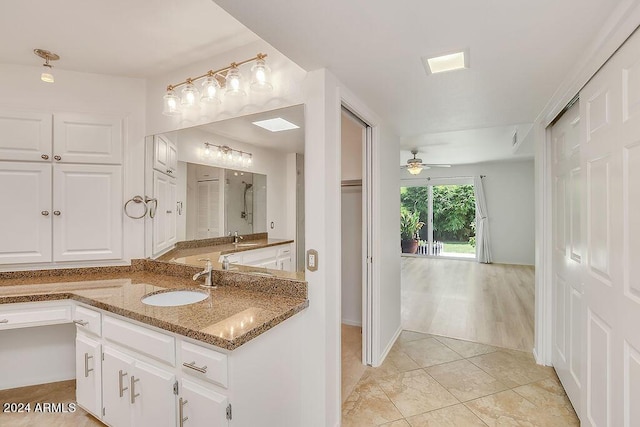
(4, 321)
(181, 411)
(81, 322)
(121, 375)
(134, 380)
(86, 365)
(193, 366)
(58, 158)
(56, 213)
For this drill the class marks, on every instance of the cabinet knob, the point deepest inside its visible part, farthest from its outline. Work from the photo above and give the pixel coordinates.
(56, 213)
(169, 171)
(57, 158)
(169, 212)
(45, 213)
(45, 157)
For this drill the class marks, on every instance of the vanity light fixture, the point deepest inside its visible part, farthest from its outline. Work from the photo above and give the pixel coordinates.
(228, 78)
(227, 155)
(448, 62)
(47, 75)
(276, 125)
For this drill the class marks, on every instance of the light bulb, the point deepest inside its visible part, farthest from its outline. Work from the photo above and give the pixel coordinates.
(189, 96)
(234, 82)
(46, 75)
(171, 104)
(260, 76)
(210, 89)
(207, 150)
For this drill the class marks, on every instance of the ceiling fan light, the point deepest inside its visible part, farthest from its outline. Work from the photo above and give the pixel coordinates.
(414, 169)
(47, 76)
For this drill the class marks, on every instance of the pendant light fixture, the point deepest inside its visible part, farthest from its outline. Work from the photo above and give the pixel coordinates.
(47, 75)
(229, 78)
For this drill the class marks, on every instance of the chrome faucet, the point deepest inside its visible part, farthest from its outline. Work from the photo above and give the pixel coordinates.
(237, 238)
(208, 269)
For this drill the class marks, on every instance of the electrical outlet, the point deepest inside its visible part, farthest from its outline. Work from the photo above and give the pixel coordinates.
(312, 260)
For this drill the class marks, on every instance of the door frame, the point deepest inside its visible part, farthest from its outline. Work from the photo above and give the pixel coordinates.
(620, 25)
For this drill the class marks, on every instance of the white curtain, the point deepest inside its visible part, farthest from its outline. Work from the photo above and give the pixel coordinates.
(483, 245)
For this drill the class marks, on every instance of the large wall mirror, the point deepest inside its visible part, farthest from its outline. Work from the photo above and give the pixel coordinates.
(241, 176)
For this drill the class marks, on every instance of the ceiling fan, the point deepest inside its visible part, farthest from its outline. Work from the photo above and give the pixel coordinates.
(415, 165)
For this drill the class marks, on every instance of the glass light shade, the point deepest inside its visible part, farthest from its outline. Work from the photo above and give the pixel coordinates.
(171, 104)
(260, 77)
(47, 77)
(189, 96)
(414, 169)
(210, 91)
(207, 150)
(234, 83)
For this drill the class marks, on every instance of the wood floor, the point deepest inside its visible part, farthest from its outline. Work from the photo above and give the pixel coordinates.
(485, 303)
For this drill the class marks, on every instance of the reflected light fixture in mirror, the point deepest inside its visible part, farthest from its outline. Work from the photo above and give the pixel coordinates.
(226, 155)
(230, 78)
(47, 75)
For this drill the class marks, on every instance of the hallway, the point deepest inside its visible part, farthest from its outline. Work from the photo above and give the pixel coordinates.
(486, 303)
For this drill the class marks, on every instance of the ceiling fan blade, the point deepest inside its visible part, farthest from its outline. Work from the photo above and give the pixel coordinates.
(435, 166)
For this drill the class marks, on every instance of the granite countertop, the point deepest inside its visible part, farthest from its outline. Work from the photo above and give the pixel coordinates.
(238, 310)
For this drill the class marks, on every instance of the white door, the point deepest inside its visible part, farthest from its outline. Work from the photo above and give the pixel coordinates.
(164, 222)
(610, 161)
(117, 370)
(88, 374)
(25, 136)
(207, 210)
(25, 212)
(165, 155)
(87, 138)
(568, 307)
(202, 406)
(87, 212)
(153, 402)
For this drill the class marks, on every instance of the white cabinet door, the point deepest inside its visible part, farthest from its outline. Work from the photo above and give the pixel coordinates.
(200, 406)
(117, 371)
(87, 138)
(153, 402)
(87, 212)
(25, 136)
(164, 222)
(88, 374)
(25, 212)
(165, 155)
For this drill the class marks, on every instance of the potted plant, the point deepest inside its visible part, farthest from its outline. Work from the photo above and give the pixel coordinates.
(410, 224)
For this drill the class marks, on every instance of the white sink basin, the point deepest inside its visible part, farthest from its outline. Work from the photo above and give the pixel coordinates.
(174, 298)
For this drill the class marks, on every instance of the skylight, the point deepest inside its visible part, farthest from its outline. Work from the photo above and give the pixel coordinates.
(276, 125)
(449, 62)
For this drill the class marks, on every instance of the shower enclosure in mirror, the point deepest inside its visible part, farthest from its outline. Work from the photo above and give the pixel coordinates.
(232, 177)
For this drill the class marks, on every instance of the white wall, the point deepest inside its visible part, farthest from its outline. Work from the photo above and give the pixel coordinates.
(21, 88)
(509, 190)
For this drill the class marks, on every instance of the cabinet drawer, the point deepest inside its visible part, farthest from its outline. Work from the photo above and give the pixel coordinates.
(21, 316)
(204, 363)
(87, 320)
(151, 343)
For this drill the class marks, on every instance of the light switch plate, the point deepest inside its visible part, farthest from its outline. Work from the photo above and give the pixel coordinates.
(312, 260)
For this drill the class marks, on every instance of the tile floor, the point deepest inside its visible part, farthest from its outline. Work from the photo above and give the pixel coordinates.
(432, 381)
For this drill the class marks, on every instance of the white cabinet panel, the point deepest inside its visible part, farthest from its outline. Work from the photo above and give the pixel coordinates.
(117, 370)
(87, 213)
(631, 386)
(25, 136)
(25, 212)
(88, 374)
(200, 406)
(598, 371)
(165, 155)
(164, 222)
(87, 138)
(153, 403)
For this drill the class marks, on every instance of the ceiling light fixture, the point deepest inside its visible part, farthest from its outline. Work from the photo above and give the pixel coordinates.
(47, 75)
(230, 78)
(227, 155)
(276, 125)
(449, 62)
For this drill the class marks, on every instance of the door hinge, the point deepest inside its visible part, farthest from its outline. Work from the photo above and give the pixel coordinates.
(103, 412)
(229, 414)
(175, 388)
(103, 357)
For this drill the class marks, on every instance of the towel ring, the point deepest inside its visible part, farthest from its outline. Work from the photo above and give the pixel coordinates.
(136, 199)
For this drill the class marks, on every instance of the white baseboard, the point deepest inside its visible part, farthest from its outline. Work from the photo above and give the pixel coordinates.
(352, 322)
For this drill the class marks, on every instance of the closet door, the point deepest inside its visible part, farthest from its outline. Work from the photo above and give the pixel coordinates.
(25, 212)
(87, 212)
(25, 136)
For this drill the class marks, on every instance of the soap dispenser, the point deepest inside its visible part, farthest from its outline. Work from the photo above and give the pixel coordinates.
(225, 263)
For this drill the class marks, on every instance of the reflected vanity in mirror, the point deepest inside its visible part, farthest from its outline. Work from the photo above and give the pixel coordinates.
(231, 189)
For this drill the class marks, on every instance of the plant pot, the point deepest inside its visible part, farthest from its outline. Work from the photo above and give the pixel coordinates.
(409, 246)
